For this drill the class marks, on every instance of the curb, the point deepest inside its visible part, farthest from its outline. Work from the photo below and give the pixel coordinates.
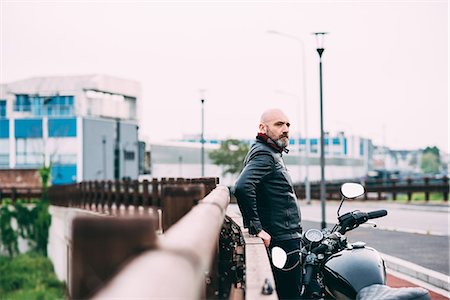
(431, 277)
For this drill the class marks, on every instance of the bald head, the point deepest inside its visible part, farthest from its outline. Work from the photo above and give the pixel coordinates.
(272, 114)
(275, 124)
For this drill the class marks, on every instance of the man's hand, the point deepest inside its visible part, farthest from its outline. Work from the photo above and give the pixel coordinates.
(265, 237)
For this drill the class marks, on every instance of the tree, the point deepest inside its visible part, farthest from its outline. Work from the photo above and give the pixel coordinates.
(230, 155)
(430, 161)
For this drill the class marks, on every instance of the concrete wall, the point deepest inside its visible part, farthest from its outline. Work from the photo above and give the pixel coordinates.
(60, 239)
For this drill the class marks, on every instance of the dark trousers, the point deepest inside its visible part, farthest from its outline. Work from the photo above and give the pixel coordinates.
(288, 280)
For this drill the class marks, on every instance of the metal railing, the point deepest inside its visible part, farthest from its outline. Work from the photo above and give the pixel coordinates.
(172, 266)
(124, 197)
(382, 188)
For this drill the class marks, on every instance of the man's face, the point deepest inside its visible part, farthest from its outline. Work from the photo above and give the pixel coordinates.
(276, 126)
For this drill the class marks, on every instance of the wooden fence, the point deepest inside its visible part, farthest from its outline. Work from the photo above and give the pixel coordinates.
(381, 189)
(122, 258)
(22, 193)
(123, 197)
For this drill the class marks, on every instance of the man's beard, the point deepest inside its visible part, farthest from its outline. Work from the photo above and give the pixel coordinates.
(282, 142)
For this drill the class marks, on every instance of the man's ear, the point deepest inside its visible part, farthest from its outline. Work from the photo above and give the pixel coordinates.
(262, 128)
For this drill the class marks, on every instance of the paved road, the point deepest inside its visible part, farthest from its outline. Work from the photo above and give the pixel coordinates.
(427, 219)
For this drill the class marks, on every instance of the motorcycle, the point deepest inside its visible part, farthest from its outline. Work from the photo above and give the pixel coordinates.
(334, 268)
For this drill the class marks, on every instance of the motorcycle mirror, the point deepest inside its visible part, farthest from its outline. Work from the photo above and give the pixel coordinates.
(352, 190)
(279, 257)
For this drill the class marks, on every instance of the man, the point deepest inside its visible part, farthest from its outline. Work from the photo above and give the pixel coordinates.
(266, 198)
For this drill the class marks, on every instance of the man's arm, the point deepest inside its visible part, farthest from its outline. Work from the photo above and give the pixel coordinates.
(258, 166)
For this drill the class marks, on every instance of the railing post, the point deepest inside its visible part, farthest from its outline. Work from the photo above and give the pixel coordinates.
(102, 245)
(117, 194)
(177, 200)
(155, 193)
(409, 183)
(136, 195)
(446, 188)
(109, 197)
(427, 191)
(91, 194)
(394, 191)
(145, 195)
(126, 194)
(96, 194)
(102, 195)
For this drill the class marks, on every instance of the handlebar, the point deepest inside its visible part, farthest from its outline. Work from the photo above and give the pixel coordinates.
(353, 219)
(376, 214)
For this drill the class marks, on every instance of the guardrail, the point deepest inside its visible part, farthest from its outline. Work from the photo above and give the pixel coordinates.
(22, 193)
(125, 224)
(123, 197)
(172, 266)
(381, 187)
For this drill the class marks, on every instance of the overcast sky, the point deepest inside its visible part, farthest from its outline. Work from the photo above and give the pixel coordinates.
(385, 63)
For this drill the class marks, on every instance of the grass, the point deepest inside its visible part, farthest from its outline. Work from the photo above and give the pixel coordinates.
(29, 276)
(420, 197)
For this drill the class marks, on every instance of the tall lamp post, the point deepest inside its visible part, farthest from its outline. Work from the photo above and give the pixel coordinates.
(202, 137)
(320, 49)
(305, 113)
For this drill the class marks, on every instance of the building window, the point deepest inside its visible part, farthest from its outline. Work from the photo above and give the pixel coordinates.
(45, 105)
(58, 105)
(4, 129)
(28, 128)
(4, 152)
(22, 103)
(2, 108)
(62, 127)
(313, 145)
(64, 174)
(29, 151)
(128, 155)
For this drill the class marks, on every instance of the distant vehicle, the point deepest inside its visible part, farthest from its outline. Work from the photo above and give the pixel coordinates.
(383, 174)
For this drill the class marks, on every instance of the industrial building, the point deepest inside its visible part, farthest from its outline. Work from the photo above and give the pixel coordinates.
(86, 127)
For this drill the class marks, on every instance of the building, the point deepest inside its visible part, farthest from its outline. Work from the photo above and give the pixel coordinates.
(85, 126)
(345, 158)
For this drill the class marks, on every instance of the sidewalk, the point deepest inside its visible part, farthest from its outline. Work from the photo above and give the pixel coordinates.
(397, 280)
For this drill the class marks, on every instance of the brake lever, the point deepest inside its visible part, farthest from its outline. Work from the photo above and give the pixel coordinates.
(372, 224)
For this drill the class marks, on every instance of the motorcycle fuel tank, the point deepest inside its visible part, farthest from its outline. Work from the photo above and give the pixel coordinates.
(348, 271)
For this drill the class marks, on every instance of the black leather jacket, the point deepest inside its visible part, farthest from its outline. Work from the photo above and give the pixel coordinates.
(265, 194)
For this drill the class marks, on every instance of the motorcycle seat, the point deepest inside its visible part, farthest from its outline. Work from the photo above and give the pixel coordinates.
(383, 292)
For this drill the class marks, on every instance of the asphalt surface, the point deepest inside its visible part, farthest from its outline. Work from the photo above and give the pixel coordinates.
(429, 251)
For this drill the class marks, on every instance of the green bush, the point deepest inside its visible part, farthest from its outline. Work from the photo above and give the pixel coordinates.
(29, 276)
(33, 223)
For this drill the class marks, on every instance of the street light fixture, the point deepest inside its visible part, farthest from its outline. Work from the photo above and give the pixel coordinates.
(320, 49)
(305, 113)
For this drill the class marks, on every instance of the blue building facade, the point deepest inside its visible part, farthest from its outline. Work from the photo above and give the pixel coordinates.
(85, 127)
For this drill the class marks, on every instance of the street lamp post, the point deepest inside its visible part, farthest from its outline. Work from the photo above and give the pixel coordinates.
(202, 137)
(320, 49)
(305, 113)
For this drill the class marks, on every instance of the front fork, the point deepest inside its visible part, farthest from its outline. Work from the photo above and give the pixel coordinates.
(312, 288)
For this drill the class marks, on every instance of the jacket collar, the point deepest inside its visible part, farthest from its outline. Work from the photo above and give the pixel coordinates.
(271, 143)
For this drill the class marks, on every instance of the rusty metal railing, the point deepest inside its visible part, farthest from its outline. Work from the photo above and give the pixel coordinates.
(175, 268)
